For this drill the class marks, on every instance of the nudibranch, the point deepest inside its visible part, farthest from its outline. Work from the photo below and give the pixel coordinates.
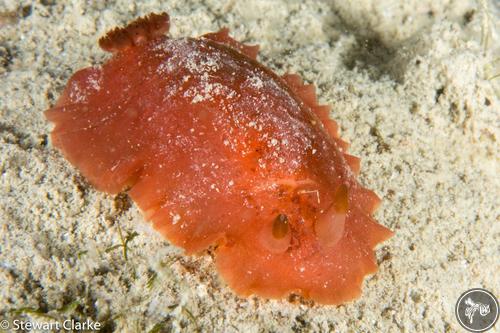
(219, 151)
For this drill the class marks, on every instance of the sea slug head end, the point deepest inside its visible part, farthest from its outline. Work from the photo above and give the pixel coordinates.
(329, 227)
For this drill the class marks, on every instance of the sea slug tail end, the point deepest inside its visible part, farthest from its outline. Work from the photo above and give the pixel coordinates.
(136, 33)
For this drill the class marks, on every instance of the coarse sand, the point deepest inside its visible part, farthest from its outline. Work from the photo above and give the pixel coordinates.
(413, 87)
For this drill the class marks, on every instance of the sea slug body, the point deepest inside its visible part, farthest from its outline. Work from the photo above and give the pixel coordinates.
(217, 150)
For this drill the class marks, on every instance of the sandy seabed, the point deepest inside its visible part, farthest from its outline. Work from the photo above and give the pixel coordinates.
(412, 86)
